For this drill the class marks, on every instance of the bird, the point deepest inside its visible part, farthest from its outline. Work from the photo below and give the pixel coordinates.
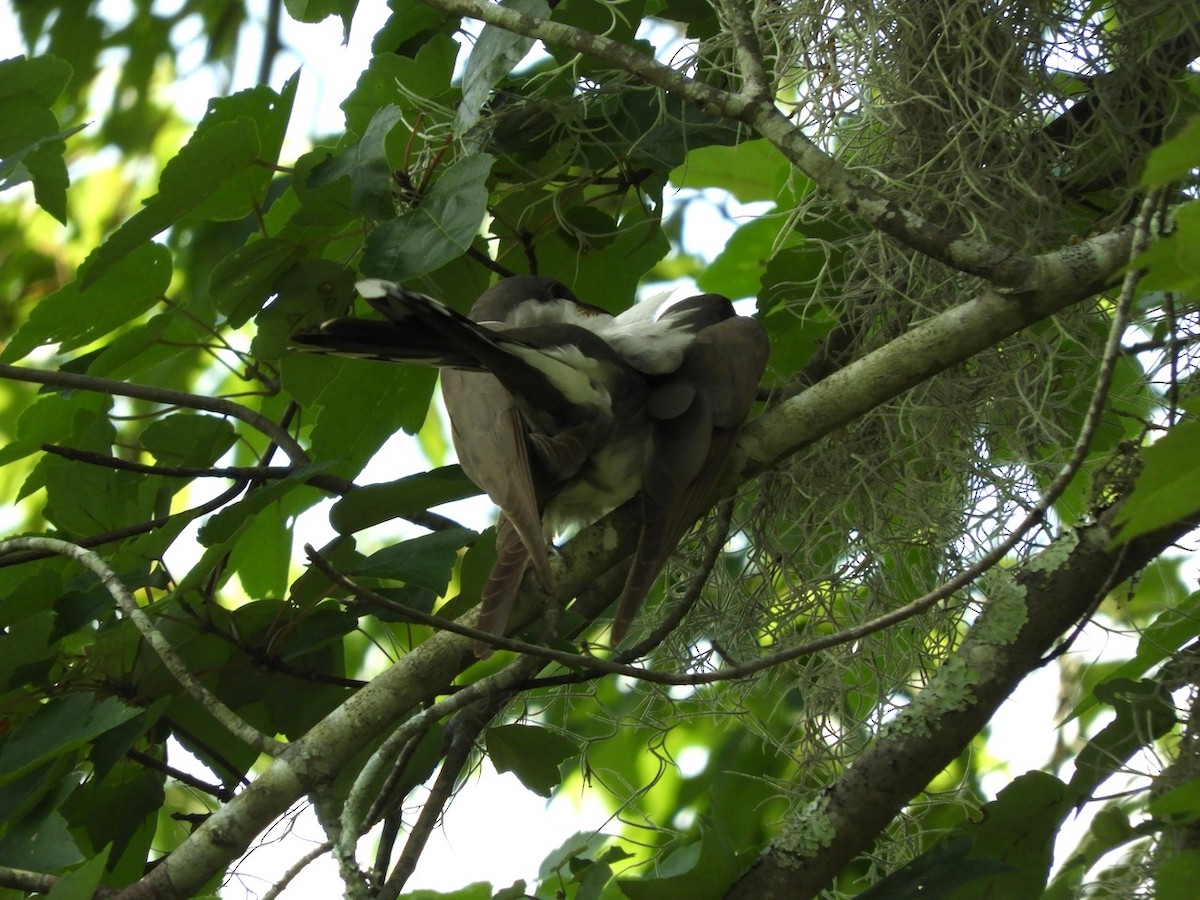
(561, 411)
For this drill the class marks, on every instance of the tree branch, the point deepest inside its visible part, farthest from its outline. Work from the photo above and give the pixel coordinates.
(1047, 595)
(218, 405)
(1002, 266)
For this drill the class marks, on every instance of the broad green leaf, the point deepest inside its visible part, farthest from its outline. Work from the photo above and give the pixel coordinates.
(188, 439)
(411, 27)
(62, 725)
(80, 883)
(233, 520)
(739, 269)
(1144, 713)
(480, 890)
(1108, 830)
(390, 79)
(1180, 803)
(1176, 876)
(937, 873)
(707, 867)
(219, 156)
(31, 142)
(426, 561)
(242, 282)
(1167, 488)
(374, 503)
(1174, 158)
(41, 78)
(439, 229)
(496, 53)
(263, 552)
(753, 170)
(26, 652)
(84, 500)
(42, 844)
(362, 403)
(310, 292)
(130, 787)
(270, 112)
(531, 753)
(76, 314)
(319, 10)
(52, 419)
(1016, 831)
(1173, 262)
(365, 164)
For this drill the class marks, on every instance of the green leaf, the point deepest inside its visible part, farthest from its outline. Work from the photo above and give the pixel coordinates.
(319, 10)
(270, 111)
(1144, 713)
(365, 164)
(188, 439)
(1168, 486)
(362, 403)
(41, 78)
(1016, 832)
(1174, 159)
(233, 520)
(211, 160)
(705, 868)
(753, 170)
(496, 53)
(83, 500)
(130, 787)
(77, 314)
(374, 503)
(1173, 263)
(478, 891)
(243, 281)
(263, 552)
(426, 561)
(42, 844)
(1177, 875)
(740, 267)
(31, 142)
(80, 883)
(1181, 803)
(1108, 830)
(937, 873)
(310, 292)
(426, 76)
(441, 228)
(60, 726)
(531, 753)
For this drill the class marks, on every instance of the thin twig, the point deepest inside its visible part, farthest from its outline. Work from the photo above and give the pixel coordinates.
(695, 586)
(248, 473)
(219, 791)
(120, 534)
(218, 405)
(296, 868)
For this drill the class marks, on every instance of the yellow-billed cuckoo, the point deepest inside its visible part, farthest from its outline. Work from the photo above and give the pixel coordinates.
(561, 411)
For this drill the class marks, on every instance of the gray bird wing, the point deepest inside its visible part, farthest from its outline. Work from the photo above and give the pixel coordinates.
(493, 449)
(696, 412)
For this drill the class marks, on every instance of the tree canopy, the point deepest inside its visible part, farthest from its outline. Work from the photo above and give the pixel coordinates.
(976, 439)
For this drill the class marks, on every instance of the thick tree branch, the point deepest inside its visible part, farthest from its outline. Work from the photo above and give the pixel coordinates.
(1048, 595)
